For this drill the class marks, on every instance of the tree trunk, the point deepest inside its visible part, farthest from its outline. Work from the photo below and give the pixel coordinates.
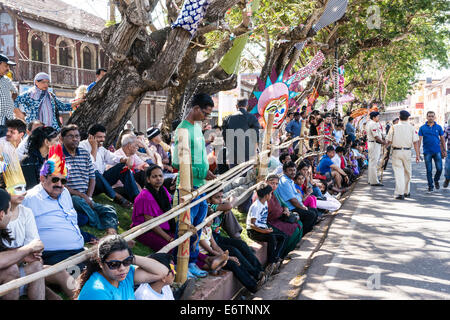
(117, 101)
(143, 63)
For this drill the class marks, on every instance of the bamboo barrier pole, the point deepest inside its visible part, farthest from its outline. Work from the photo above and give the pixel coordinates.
(163, 218)
(264, 158)
(185, 188)
(301, 147)
(205, 188)
(179, 207)
(134, 232)
(175, 243)
(82, 256)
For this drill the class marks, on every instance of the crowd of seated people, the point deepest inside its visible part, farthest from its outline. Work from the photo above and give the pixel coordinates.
(43, 224)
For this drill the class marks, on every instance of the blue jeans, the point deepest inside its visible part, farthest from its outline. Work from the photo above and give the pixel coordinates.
(198, 214)
(429, 157)
(317, 192)
(447, 166)
(101, 216)
(110, 177)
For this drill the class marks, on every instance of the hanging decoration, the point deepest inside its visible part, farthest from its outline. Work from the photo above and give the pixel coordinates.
(342, 99)
(341, 79)
(362, 111)
(334, 10)
(191, 15)
(311, 100)
(231, 60)
(273, 97)
(306, 71)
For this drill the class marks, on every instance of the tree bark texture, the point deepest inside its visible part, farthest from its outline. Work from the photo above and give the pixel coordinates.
(142, 63)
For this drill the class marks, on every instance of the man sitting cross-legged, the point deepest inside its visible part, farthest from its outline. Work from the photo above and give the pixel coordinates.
(119, 170)
(81, 182)
(329, 169)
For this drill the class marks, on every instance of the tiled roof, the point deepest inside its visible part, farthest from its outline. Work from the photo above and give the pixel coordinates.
(58, 12)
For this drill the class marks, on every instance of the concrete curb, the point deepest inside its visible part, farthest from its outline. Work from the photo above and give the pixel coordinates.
(287, 285)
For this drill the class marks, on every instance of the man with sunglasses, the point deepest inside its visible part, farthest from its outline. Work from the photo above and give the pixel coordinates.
(56, 218)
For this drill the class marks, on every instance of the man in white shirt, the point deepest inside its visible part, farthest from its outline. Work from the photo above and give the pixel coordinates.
(110, 168)
(129, 149)
(15, 131)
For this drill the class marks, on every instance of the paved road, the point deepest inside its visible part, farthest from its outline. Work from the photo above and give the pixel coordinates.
(381, 248)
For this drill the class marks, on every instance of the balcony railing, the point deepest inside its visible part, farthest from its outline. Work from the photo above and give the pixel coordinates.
(63, 76)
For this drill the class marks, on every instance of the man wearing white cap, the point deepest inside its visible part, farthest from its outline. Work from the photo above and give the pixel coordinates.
(375, 140)
(39, 104)
(403, 137)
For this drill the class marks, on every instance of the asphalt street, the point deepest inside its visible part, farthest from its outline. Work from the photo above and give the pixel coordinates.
(381, 248)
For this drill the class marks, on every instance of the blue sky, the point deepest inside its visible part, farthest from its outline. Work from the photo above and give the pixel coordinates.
(97, 7)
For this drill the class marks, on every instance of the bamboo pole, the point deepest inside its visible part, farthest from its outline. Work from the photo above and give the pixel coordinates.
(138, 230)
(185, 188)
(265, 158)
(301, 148)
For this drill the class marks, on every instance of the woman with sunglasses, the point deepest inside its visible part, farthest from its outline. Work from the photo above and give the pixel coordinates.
(39, 143)
(114, 271)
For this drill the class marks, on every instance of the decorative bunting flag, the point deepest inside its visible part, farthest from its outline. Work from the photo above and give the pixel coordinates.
(306, 71)
(342, 99)
(334, 10)
(231, 60)
(191, 15)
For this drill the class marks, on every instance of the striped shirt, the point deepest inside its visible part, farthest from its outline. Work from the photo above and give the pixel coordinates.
(79, 169)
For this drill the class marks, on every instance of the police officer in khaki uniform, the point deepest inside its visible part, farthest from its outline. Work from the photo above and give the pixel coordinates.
(374, 143)
(403, 137)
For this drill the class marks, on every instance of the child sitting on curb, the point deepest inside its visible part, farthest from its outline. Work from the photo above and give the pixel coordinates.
(211, 258)
(242, 260)
(259, 230)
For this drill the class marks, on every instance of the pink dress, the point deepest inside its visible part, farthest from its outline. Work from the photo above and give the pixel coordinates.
(146, 205)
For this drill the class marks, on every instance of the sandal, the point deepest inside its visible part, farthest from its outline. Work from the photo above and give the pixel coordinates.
(124, 203)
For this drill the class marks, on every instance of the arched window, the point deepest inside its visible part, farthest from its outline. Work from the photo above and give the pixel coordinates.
(37, 49)
(87, 58)
(64, 56)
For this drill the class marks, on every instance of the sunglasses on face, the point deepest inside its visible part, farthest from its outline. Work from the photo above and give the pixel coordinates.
(56, 180)
(115, 264)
